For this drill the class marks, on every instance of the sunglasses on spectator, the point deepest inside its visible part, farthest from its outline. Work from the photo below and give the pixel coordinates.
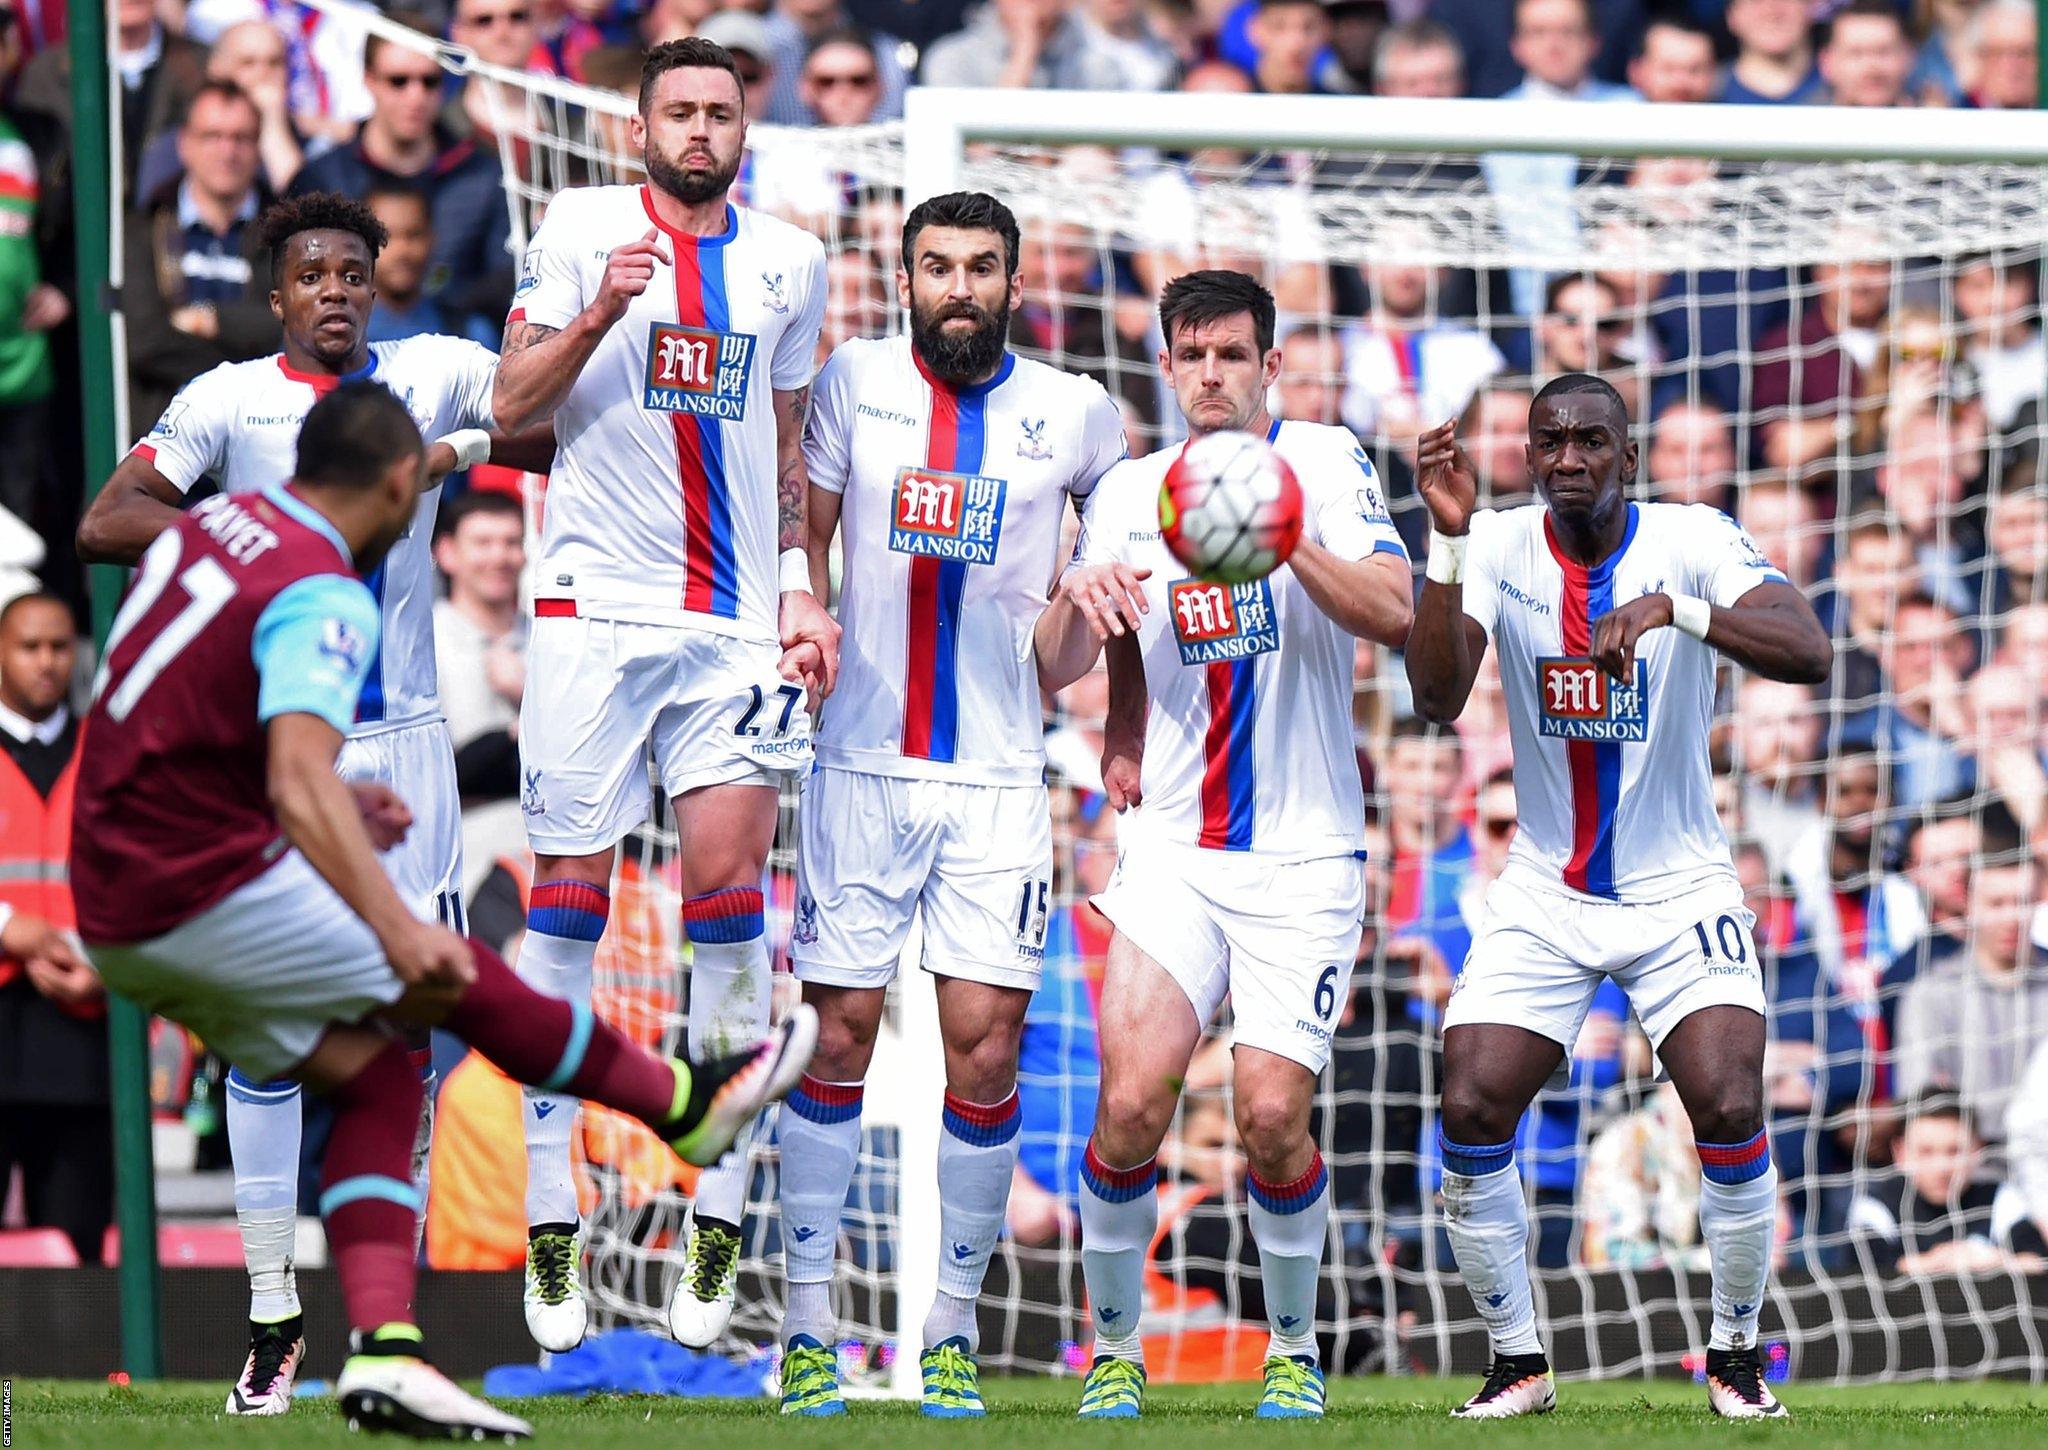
(1499, 828)
(1602, 324)
(498, 18)
(857, 81)
(404, 82)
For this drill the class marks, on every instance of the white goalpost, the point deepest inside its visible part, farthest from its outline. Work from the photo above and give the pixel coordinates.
(1711, 246)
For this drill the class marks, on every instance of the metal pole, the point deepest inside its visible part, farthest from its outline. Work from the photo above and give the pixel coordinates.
(96, 193)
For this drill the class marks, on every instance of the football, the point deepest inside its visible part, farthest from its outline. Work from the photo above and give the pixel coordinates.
(1230, 508)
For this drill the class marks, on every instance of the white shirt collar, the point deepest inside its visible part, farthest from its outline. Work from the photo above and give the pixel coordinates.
(44, 732)
(135, 64)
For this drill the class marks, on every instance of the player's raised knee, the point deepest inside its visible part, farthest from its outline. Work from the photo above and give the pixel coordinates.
(1131, 1122)
(1473, 1115)
(1732, 1113)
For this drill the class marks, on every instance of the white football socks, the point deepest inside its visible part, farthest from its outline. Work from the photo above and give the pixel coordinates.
(977, 1162)
(730, 994)
(1119, 1214)
(564, 920)
(1290, 1223)
(1488, 1223)
(1738, 1219)
(265, 1126)
(820, 1136)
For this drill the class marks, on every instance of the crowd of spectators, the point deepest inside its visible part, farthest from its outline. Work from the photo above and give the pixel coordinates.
(1874, 422)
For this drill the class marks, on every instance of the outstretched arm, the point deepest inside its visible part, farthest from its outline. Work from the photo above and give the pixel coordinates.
(1092, 604)
(538, 364)
(1770, 631)
(1446, 644)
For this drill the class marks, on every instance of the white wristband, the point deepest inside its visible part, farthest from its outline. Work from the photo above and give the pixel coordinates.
(1446, 558)
(793, 570)
(472, 446)
(1691, 616)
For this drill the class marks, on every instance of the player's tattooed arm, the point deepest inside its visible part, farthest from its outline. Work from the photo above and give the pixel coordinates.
(538, 365)
(792, 479)
(136, 505)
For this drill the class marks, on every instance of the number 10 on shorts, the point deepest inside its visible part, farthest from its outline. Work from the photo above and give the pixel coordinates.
(1724, 946)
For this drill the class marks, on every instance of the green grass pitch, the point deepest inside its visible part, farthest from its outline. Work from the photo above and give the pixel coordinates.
(1029, 1414)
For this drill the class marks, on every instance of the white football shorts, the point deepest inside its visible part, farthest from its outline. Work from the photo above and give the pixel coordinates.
(418, 762)
(874, 850)
(600, 693)
(1278, 938)
(1539, 956)
(263, 972)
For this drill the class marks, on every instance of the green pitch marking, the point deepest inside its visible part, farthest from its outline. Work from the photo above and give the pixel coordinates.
(1036, 1414)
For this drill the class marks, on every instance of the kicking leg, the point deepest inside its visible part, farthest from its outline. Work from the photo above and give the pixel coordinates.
(565, 917)
(1290, 1221)
(1715, 1057)
(726, 832)
(1491, 1073)
(820, 1130)
(982, 1025)
(1148, 1033)
(264, 1133)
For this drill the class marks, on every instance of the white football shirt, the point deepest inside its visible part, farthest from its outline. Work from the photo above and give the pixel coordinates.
(950, 518)
(661, 507)
(239, 425)
(1612, 780)
(1248, 741)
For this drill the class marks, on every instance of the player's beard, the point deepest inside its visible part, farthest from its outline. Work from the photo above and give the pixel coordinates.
(952, 357)
(693, 188)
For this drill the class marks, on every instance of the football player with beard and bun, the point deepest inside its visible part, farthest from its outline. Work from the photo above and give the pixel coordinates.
(1228, 746)
(237, 426)
(1609, 618)
(948, 461)
(671, 337)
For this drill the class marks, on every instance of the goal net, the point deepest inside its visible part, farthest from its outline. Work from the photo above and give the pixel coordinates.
(1846, 355)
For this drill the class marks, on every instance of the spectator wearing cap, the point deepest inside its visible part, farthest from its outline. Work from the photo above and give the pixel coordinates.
(1935, 1212)
(1977, 1007)
(1774, 62)
(402, 144)
(1495, 64)
(796, 29)
(1555, 42)
(2003, 71)
(1867, 55)
(54, 1119)
(198, 289)
(1676, 63)
(1043, 44)
(745, 35)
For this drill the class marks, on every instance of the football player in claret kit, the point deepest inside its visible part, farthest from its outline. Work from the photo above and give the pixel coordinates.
(1607, 616)
(1229, 748)
(237, 425)
(232, 671)
(946, 461)
(671, 336)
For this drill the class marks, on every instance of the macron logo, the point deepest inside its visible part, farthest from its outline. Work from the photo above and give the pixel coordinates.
(1109, 1316)
(803, 1235)
(1287, 1321)
(1494, 1301)
(542, 1108)
(1533, 605)
(963, 1251)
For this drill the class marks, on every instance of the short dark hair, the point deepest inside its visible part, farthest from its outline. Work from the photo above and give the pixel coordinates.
(220, 90)
(1683, 24)
(1868, 10)
(1585, 14)
(38, 596)
(1556, 285)
(478, 503)
(1938, 1102)
(2001, 839)
(410, 20)
(1212, 295)
(970, 211)
(843, 35)
(1566, 384)
(692, 52)
(1414, 727)
(395, 189)
(316, 211)
(352, 436)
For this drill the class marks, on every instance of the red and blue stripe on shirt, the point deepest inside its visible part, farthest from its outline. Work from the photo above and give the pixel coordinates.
(1594, 767)
(1229, 747)
(711, 568)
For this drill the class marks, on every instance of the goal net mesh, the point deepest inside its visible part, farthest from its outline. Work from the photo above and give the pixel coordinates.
(1845, 357)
